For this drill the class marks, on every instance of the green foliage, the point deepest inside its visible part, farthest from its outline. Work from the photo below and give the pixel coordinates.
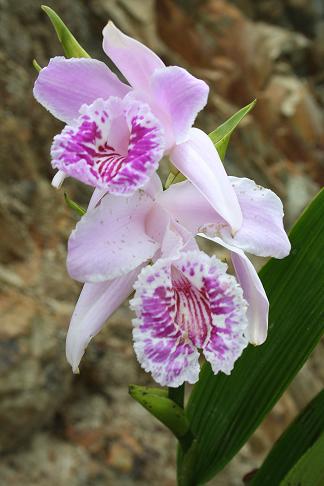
(225, 410)
(156, 401)
(73, 205)
(69, 43)
(309, 470)
(221, 136)
(36, 66)
(292, 445)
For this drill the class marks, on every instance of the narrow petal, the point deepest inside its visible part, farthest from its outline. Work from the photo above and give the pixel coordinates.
(157, 342)
(66, 84)
(181, 96)
(114, 145)
(95, 305)
(110, 240)
(199, 161)
(134, 60)
(253, 291)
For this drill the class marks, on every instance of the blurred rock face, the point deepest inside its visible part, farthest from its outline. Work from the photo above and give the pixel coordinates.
(56, 429)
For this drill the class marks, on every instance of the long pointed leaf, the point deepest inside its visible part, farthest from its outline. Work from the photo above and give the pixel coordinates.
(221, 136)
(69, 43)
(225, 410)
(293, 444)
(309, 470)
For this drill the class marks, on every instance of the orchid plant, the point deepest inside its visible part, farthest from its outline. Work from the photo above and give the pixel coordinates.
(140, 234)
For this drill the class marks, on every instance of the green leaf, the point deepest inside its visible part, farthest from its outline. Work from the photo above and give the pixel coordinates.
(162, 407)
(309, 470)
(73, 205)
(225, 410)
(36, 65)
(294, 442)
(69, 43)
(220, 137)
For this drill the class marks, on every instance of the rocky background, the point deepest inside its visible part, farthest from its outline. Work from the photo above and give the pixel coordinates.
(57, 429)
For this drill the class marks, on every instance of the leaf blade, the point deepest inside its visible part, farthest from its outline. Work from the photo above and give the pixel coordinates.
(70, 45)
(221, 136)
(292, 444)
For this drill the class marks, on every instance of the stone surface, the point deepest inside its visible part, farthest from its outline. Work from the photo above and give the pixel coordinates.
(56, 429)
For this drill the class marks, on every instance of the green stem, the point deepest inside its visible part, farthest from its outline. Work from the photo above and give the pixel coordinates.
(177, 395)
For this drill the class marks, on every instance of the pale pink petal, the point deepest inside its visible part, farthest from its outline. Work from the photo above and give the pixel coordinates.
(95, 305)
(157, 341)
(134, 60)
(262, 232)
(188, 206)
(181, 96)
(114, 145)
(199, 161)
(253, 291)
(154, 186)
(66, 84)
(110, 240)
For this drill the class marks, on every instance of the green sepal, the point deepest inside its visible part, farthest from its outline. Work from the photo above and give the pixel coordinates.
(69, 43)
(36, 66)
(73, 205)
(221, 136)
(162, 408)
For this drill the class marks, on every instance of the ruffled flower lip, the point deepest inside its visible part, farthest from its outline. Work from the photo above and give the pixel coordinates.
(184, 305)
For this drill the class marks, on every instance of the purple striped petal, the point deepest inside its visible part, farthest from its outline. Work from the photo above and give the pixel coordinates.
(182, 305)
(66, 84)
(110, 240)
(134, 60)
(114, 145)
(95, 305)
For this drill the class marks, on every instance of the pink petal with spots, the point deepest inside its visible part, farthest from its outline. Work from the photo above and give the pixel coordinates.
(199, 161)
(66, 84)
(134, 60)
(183, 304)
(110, 240)
(181, 96)
(114, 145)
(95, 305)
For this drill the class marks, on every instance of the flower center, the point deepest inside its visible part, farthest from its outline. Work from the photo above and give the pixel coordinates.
(193, 311)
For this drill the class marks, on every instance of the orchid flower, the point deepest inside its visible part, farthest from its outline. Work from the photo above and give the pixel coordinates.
(184, 304)
(109, 248)
(262, 234)
(116, 134)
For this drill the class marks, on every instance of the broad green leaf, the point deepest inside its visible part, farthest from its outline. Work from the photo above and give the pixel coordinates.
(220, 137)
(163, 408)
(309, 470)
(73, 205)
(69, 43)
(225, 410)
(294, 442)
